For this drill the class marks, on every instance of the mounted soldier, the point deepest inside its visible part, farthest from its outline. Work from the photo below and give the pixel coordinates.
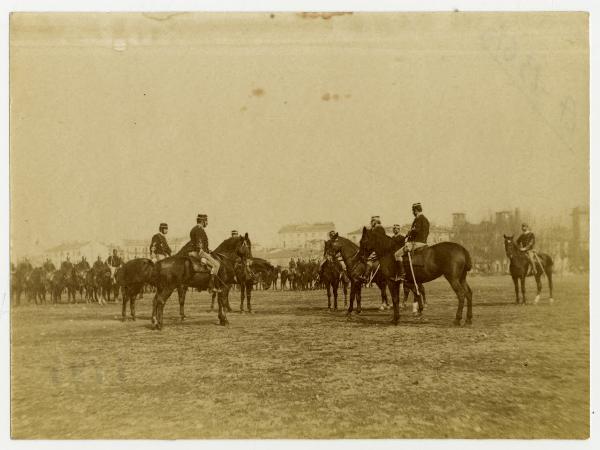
(526, 242)
(114, 261)
(98, 264)
(396, 234)
(199, 241)
(66, 265)
(375, 225)
(292, 265)
(416, 238)
(84, 264)
(49, 266)
(159, 248)
(333, 235)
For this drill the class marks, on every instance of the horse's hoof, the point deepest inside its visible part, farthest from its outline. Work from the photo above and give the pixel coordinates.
(395, 321)
(551, 300)
(536, 300)
(456, 322)
(382, 308)
(468, 322)
(358, 311)
(224, 322)
(123, 319)
(133, 318)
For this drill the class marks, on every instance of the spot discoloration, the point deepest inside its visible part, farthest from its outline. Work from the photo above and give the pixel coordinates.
(161, 17)
(258, 92)
(335, 97)
(322, 15)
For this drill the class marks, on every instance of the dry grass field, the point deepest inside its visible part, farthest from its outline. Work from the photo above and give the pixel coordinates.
(295, 370)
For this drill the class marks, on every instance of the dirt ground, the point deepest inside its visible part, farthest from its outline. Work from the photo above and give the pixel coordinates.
(295, 370)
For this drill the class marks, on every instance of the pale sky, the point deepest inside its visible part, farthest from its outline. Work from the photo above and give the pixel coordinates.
(122, 121)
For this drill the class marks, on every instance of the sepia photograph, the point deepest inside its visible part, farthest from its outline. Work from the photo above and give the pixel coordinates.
(299, 225)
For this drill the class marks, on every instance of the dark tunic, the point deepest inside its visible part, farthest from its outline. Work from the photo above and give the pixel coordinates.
(526, 241)
(159, 245)
(49, 266)
(399, 238)
(292, 264)
(379, 229)
(114, 261)
(419, 230)
(199, 239)
(66, 266)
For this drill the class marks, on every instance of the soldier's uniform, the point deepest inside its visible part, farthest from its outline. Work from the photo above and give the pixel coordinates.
(292, 265)
(114, 261)
(199, 240)
(416, 237)
(66, 266)
(526, 243)
(159, 248)
(49, 266)
(399, 238)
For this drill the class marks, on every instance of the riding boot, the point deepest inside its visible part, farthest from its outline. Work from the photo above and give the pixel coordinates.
(400, 275)
(212, 285)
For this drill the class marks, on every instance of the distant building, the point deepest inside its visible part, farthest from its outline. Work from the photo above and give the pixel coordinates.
(75, 250)
(281, 257)
(304, 235)
(436, 233)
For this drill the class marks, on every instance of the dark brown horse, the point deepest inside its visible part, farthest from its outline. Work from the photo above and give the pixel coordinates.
(330, 278)
(247, 277)
(131, 278)
(19, 280)
(356, 268)
(180, 272)
(446, 258)
(520, 265)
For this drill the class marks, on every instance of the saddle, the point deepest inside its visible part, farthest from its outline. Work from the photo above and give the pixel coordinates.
(417, 256)
(198, 265)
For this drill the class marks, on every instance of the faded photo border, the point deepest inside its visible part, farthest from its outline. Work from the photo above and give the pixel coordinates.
(325, 5)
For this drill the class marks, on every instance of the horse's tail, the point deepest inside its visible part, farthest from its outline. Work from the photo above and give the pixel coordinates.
(468, 262)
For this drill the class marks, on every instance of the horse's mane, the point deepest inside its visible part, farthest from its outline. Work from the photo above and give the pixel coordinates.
(347, 241)
(229, 245)
(385, 241)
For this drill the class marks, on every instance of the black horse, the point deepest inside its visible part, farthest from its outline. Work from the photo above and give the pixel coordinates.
(331, 273)
(520, 265)
(131, 278)
(445, 258)
(356, 269)
(181, 271)
(247, 277)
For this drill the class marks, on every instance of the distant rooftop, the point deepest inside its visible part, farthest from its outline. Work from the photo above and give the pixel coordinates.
(307, 227)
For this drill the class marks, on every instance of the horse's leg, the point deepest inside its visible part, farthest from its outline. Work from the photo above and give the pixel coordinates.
(523, 288)
(161, 300)
(181, 292)
(222, 314)
(352, 296)
(516, 284)
(124, 309)
(335, 286)
(538, 284)
(328, 287)
(460, 294)
(154, 308)
(242, 294)
(469, 295)
(549, 276)
(249, 297)
(212, 302)
(359, 299)
(395, 291)
(133, 297)
(422, 292)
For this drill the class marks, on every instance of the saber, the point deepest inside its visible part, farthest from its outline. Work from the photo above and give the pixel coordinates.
(413, 274)
(374, 273)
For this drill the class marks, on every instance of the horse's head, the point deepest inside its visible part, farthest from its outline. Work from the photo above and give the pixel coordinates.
(510, 248)
(366, 246)
(244, 249)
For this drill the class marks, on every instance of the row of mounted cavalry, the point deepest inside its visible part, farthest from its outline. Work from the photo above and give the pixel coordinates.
(180, 272)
